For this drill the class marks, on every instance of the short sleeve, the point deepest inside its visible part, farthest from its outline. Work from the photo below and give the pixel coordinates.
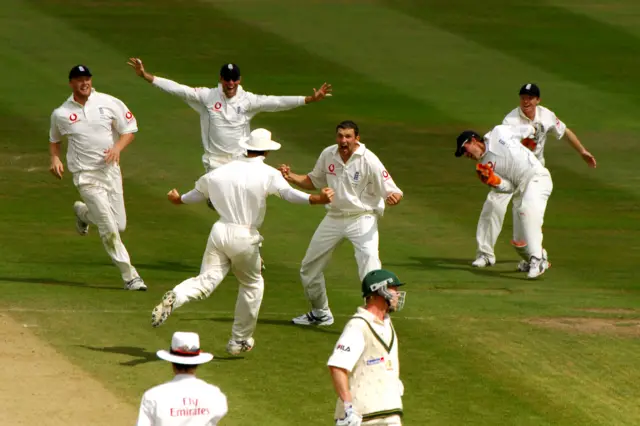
(318, 175)
(54, 130)
(558, 128)
(382, 180)
(202, 186)
(349, 348)
(125, 122)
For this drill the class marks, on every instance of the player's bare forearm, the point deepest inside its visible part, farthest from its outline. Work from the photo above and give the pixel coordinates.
(124, 141)
(575, 143)
(340, 379)
(301, 181)
(56, 167)
(54, 150)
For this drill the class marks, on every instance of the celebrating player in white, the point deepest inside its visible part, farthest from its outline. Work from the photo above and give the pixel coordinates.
(495, 207)
(97, 127)
(362, 185)
(507, 166)
(226, 110)
(364, 366)
(238, 191)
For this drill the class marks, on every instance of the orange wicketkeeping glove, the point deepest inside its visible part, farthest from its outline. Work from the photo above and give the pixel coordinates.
(486, 175)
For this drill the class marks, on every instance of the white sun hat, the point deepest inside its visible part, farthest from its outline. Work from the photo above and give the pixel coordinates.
(185, 349)
(260, 140)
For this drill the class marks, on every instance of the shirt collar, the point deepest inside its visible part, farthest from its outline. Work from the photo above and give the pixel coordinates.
(522, 115)
(179, 377)
(259, 158)
(359, 151)
(70, 99)
(369, 316)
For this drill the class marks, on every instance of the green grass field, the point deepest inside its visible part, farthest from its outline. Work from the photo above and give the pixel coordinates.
(477, 347)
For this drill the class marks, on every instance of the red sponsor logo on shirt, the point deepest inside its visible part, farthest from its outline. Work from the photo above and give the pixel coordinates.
(385, 175)
(73, 117)
(217, 106)
(332, 169)
(128, 115)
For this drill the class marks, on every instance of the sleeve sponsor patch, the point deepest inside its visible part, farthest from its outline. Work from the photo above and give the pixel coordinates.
(128, 115)
(385, 175)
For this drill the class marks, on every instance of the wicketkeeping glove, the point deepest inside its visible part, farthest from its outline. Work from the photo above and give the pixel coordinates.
(486, 175)
(351, 417)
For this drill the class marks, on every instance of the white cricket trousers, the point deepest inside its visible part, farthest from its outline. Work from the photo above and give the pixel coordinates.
(361, 230)
(212, 162)
(529, 207)
(490, 223)
(232, 247)
(102, 194)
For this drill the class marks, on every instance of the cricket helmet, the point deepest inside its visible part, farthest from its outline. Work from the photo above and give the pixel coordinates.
(378, 282)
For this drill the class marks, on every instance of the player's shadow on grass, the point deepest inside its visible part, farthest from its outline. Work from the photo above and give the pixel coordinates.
(268, 321)
(142, 356)
(53, 281)
(463, 265)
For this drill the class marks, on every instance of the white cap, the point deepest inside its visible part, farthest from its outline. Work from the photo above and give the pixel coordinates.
(260, 140)
(185, 349)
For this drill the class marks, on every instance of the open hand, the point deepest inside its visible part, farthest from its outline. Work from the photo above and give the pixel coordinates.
(112, 155)
(320, 94)
(56, 168)
(589, 159)
(136, 64)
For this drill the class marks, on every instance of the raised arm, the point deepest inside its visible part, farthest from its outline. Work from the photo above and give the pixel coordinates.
(266, 103)
(186, 93)
(301, 181)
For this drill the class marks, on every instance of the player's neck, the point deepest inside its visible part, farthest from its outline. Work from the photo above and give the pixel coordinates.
(377, 310)
(80, 99)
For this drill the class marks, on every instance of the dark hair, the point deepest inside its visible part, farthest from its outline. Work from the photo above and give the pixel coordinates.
(348, 124)
(183, 367)
(256, 152)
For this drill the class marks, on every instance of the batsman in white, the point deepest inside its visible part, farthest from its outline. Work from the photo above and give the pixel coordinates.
(364, 366)
(507, 166)
(185, 400)
(362, 185)
(495, 207)
(238, 191)
(97, 127)
(226, 110)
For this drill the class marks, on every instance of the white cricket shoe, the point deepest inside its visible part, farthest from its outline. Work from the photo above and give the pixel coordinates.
(537, 267)
(81, 227)
(523, 266)
(135, 284)
(163, 310)
(483, 261)
(236, 347)
(313, 318)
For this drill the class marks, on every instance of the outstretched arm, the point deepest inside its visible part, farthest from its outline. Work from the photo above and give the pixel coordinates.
(260, 103)
(182, 91)
(575, 143)
(191, 197)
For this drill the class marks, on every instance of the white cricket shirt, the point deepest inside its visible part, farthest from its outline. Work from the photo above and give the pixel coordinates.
(90, 129)
(351, 343)
(238, 190)
(184, 401)
(223, 121)
(508, 157)
(550, 124)
(361, 185)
